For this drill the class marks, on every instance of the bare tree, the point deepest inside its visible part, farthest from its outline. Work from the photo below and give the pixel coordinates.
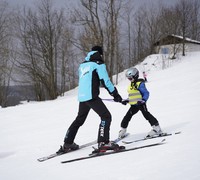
(6, 65)
(193, 22)
(47, 42)
(67, 76)
(100, 25)
(43, 38)
(111, 15)
(185, 10)
(169, 24)
(88, 16)
(127, 16)
(139, 35)
(150, 26)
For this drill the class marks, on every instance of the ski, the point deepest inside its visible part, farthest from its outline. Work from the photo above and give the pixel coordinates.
(44, 158)
(120, 138)
(90, 156)
(146, 138)
(80, 147)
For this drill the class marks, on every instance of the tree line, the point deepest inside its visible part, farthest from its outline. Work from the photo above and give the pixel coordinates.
(42, 46)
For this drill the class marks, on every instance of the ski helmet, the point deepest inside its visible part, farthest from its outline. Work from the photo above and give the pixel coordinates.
(132, 73)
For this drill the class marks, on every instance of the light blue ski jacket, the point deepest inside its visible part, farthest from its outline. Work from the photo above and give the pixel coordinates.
(92, 74)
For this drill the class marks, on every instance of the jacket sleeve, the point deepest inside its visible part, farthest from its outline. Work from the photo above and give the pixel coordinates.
(144, 92)
(104, 78)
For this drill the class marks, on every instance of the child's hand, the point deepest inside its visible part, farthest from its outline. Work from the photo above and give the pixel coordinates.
(141, 102)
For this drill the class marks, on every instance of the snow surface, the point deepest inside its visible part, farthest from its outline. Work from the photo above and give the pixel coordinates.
(35, 129)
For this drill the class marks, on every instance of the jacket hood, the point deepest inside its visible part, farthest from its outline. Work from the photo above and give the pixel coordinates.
(87, 58)
(94, 56)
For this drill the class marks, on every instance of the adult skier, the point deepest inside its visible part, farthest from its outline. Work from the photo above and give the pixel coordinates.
(92, 74)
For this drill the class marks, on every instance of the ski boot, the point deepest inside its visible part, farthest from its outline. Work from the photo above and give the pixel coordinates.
(67, 147)
(156, 131)
(103, 147)
(122, 133)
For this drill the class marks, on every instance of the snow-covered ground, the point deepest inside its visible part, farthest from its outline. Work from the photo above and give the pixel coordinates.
(35, 129)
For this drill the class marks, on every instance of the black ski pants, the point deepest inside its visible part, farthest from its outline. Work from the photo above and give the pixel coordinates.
(133, 110)
(84, 107)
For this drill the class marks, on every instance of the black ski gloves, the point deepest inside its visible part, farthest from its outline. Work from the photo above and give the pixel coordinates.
(124, 102)
(141, 102)
(117, 97)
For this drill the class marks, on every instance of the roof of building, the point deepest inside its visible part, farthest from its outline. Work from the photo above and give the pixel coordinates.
(174, 39)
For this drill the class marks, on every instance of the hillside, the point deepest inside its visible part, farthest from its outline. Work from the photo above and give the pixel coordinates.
(34, 129)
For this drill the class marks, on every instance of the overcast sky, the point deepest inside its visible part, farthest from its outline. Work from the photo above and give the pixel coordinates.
(62, 3)
(59, 3)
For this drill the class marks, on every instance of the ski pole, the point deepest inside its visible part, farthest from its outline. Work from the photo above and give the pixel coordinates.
(111, 100)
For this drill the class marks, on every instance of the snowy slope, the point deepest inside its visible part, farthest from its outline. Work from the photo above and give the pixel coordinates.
(32, 130)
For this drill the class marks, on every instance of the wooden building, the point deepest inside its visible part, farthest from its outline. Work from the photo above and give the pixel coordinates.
(173, 44)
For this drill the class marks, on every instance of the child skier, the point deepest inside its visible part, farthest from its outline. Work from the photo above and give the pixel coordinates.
(138, 95)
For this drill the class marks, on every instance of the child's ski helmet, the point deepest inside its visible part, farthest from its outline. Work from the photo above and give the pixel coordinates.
(132, 73)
